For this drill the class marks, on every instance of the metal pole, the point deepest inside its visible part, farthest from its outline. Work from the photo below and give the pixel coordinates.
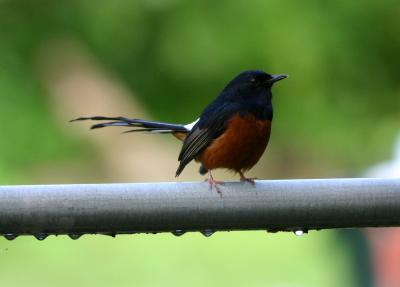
(273, 205)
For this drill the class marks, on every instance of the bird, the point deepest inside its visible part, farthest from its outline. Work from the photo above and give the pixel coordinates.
(232, 132)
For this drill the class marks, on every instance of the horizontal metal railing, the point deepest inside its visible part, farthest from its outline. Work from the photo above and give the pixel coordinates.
(272, 205)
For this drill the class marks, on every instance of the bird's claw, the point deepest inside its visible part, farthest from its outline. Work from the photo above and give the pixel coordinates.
(250, 180)
(214, 184)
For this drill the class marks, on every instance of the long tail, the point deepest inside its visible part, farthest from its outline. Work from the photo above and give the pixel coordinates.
(138, 125)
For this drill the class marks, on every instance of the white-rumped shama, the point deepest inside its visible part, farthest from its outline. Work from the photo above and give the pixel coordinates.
(232, 132)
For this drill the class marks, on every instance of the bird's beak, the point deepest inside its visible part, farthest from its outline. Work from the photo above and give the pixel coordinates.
(276, 78)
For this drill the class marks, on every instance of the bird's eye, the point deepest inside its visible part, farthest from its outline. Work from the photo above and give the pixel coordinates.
(253, 80)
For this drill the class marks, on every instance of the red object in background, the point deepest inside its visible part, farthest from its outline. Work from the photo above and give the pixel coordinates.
(385, 242)
(385, 255)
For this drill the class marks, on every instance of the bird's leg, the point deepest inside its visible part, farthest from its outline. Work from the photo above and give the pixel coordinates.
(245, 179)
(213, 183)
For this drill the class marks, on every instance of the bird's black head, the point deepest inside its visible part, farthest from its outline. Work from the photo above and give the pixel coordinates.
(251, 85)
(251, 90)
(254, 80)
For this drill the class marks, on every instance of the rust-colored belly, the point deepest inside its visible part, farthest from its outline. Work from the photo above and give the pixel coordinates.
(241, 145)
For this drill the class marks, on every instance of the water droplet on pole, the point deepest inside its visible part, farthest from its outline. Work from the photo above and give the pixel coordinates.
(41, 236)
(300, 232)
(74, 236)
(207, 232)
(178, 232)
(10, 236)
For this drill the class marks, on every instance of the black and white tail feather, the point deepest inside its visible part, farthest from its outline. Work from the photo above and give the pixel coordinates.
(138, 125)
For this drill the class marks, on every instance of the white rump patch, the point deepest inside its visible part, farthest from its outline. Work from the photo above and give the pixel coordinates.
(191, 125)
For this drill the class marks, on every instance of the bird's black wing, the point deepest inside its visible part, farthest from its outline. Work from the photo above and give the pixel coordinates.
(211, 125)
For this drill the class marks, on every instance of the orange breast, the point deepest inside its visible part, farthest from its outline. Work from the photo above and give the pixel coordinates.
(241, 145)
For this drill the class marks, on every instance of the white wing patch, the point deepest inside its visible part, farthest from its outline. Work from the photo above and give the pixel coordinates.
(191, 125)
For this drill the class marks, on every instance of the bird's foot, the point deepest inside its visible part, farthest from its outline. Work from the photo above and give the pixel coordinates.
(214, 184)
(250, 180)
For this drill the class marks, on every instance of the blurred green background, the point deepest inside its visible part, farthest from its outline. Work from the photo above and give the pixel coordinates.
(337, 114)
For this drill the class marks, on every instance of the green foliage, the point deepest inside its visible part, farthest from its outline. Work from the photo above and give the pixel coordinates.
(225, 259)
(29, 134)
(340, 104)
